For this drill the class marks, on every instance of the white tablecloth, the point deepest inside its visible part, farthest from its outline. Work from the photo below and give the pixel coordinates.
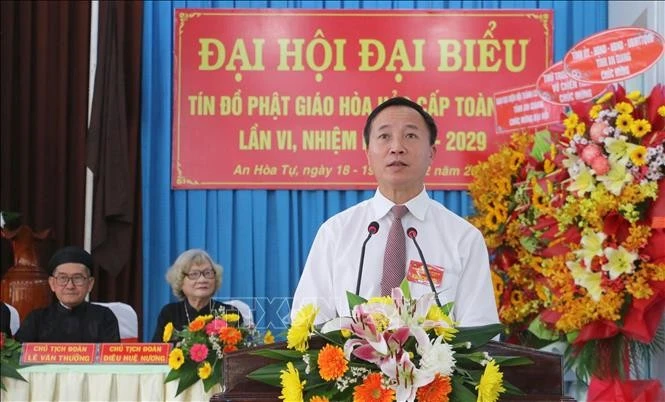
(99, 383)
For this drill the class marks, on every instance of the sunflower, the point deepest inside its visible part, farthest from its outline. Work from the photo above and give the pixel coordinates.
(292, 387)
(176, 358)
(640, 128)
(491, 383)
(624, 122)
(204, 370)
(623, 108)
(638, 155)
(332, 363)
(435, 391)
(168, 332)
(371, 390)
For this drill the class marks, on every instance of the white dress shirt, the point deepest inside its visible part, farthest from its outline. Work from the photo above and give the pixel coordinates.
(446, 240)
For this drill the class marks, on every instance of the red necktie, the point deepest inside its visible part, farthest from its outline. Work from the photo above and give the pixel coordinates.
(394, 259)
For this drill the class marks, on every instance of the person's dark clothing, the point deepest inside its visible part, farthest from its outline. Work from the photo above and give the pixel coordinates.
(175, 314)
(5, 319)
(85, 323)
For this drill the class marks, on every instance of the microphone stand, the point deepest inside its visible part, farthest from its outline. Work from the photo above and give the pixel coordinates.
(412, 233)
(372, 229)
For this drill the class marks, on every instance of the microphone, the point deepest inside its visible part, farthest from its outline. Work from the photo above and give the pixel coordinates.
(372, 229)
(412, 233)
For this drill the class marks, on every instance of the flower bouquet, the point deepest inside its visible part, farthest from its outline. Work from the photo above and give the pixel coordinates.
(573, 217)
(201, 347)
(391, 348)
(10, 351)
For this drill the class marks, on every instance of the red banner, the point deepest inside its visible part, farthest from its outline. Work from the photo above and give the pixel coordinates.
(58, 353)
(556, 86)
(277, 99)
(614, 55)
(134, 353)
(522, 108)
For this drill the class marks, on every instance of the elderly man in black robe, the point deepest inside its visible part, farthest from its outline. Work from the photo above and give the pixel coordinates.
(70, 318)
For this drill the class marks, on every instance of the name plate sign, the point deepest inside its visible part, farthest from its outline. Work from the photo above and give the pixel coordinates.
(58, 353)
(134, 353)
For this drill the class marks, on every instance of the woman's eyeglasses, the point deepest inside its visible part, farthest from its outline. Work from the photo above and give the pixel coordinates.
(194, 275)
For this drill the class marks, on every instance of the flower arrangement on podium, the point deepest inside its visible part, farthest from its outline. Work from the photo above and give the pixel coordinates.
(201, 346)
(10, 351)
(390, 348)
(574, 217)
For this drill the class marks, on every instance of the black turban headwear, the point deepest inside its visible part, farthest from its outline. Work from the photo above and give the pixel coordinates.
(71, 254)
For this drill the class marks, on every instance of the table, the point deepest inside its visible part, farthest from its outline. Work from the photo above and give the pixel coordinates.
(99, 382)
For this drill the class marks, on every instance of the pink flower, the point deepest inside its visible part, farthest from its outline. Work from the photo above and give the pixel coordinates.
(198, 352)
(215, 325)
(597, 131)
(590, 152)
(600, 165)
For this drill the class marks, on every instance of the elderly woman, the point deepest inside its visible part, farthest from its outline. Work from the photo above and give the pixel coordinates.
(194, 278)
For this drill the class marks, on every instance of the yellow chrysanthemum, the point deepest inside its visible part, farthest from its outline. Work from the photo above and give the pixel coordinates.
(607, 96)
(168, 332)
(301, 328)
(661, 111)
(231, 317)
(448, 331)
(571, 121)
(640, 128)
(204, 370)
(624, 108)
(176, 358)
(595, 111)
(491, 383)
(580, 128)
(638, 155)
(268, 338)
(624, 122)
(634, 95)
(292, 387)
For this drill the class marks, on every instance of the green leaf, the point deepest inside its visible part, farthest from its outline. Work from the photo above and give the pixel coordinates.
(215, 376)
(6, 370)
(187, 378)
(447, 308)
(478, 336)
(511, 389)
(172, 375)
(539, 329)
(541, 145)
(460, 392)
(405, 288)
(279, 354)
(269, 374)
(354, 300)
(506, 361)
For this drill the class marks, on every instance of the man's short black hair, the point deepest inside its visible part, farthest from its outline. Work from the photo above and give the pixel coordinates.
(401, 101)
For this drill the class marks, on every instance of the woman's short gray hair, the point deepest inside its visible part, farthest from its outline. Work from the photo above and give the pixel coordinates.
(176, 273)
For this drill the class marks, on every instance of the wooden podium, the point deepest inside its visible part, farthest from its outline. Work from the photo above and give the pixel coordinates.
(541, 381)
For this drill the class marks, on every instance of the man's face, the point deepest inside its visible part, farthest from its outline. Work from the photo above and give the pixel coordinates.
(399, 151)
(80, 283)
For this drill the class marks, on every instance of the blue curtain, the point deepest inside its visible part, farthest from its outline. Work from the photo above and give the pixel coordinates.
(262, 237)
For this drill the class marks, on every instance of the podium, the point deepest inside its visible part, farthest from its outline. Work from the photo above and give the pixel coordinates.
(541, 381)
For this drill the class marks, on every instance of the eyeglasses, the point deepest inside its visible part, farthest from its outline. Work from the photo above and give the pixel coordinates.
(77, 280)
(194, 275)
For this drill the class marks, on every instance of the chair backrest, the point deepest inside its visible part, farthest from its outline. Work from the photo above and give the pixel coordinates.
(245, 311)
(14, 318)
(128, 321)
